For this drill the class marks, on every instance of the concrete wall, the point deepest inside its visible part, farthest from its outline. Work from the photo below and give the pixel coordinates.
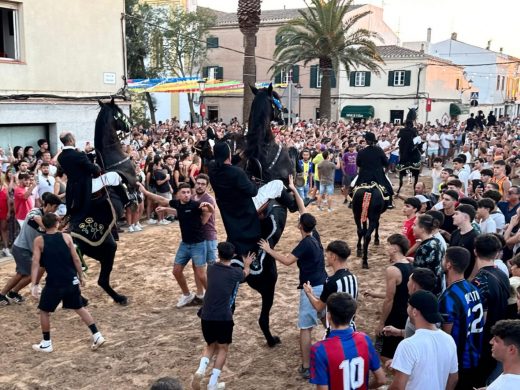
(66, 47)
(79, 118)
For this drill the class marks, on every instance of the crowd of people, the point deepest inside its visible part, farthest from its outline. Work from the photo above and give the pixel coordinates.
(449, 314)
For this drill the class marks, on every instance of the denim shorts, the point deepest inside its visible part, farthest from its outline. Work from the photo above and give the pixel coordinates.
(211, 251)
(326, 189)
(308, 316)
(195, 252)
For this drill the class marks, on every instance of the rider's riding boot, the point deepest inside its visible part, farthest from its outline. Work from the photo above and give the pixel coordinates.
(287, 199)
(390, 202)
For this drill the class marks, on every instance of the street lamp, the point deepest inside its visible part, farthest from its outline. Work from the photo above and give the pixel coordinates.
(299, 89)
(202, 87)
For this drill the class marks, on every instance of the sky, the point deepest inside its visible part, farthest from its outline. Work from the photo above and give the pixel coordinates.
(475, 21)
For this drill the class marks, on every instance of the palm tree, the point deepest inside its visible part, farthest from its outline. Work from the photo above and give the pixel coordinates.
(324, 33)
(248, 21)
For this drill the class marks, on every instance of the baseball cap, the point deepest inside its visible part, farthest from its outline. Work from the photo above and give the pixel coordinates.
(427, 304)
(422, 198)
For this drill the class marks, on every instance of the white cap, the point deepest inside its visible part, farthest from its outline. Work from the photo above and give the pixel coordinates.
(422, 198)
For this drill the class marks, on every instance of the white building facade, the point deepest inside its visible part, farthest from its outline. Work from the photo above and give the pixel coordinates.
(495, 74)
(66, 62)
(408, 79)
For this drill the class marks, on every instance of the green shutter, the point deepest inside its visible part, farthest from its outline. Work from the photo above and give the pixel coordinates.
(314, 76)
(278, 78)
(205, 72)
(296, 74)
(391, 78)
(367, 79)
(332, 78)
(352, 79)
(407, 77)
(212, 42)
(219, 74)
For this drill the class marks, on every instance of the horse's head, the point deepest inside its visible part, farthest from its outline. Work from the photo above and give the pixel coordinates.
(274, 105)
(112, 125)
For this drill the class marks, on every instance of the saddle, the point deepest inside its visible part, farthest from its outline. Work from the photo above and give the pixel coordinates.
(368, 186)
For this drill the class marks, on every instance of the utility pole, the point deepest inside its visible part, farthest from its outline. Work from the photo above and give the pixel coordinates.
(289, 105)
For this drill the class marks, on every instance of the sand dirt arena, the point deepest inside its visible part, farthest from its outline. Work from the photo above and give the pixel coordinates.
(151, 338)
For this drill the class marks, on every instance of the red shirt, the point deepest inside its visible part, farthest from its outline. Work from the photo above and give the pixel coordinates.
(408, 230)
(22, 206)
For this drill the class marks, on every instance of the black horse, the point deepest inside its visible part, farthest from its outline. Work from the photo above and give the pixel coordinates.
(368, 204)
(264, 160)
(93, 236)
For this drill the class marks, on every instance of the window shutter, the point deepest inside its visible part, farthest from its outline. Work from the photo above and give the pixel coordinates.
(205, 72)
(352, 79)
(219, 73)
(407, 77)
(314, 76)
(278, 78)
(212, 42)
(332, 78)
(391, 78)
(296, 74)
(367, 79)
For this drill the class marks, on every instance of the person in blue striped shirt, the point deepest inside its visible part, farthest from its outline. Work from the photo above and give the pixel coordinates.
(463, 314)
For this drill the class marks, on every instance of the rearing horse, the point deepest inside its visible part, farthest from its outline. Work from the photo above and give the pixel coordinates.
(93, 236)
(260, 156)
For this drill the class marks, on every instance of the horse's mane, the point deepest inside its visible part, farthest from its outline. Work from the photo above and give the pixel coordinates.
(101, 121)
(103, 129)
(259, 130)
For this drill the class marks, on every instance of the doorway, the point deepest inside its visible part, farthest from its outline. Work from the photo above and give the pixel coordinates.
(212, 113)
(396, 117)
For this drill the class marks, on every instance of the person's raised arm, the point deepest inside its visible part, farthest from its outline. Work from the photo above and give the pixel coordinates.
(286, 260)
(156, 198)
(88, 165)
(298, 199)
(207, 211)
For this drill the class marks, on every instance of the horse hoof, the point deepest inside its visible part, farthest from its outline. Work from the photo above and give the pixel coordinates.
(122, 300)
(365, 265)
(276, 340)
(359, 253)
(376, 242)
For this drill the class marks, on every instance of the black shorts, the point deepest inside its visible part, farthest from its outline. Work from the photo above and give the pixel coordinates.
(220, 332)
(52, 296)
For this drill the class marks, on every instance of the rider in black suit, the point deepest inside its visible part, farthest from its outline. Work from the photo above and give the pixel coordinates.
(80, 171)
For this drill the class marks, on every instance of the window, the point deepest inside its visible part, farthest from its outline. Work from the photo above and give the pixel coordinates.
(503, 82)
(399, 78)
(457, 84)
(213, 72)
(212, 42)
(359, 79)
(283, 76)
(316, 76)
(498, 82)
(9, 31)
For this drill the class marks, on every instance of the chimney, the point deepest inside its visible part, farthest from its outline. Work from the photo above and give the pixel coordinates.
(422, 48)
(488, 45)
(429, 35)
(454, 36)
(501, 50)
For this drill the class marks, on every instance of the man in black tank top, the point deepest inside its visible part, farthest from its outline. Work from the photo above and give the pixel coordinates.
(56, 253)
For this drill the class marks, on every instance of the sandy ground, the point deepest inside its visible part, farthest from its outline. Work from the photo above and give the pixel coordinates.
(151, 338)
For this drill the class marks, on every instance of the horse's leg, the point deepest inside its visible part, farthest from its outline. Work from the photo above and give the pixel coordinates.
(376, 238)
(105, 254)
(415, 179)
(367, 237)
(401, 176)
(359, 252)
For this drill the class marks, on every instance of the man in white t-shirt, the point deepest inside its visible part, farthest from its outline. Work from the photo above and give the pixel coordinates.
(446, 139)
(428, 359)
(384, 144)
(506, 349)
(433, 140)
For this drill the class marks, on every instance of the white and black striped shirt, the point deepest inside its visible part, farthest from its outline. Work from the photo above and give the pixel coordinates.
(342, 281)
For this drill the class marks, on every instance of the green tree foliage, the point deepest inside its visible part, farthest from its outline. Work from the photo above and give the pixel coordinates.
(325, 32)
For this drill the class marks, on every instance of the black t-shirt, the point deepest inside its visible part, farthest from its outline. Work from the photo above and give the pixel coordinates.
(311, 262)
(223, 282)
(342, 281)
(58, 262)
(189, 216)
(467, 241)
(159, 175)
(448, 225)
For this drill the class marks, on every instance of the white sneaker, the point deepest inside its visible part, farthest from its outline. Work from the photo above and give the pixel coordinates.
(218, 386)
(138, 225)
(152, 221)
(185, 299)
(164, 222)
(98, 341)
(131, 229)
(137, 228)
(6, 252)
(44, 346)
